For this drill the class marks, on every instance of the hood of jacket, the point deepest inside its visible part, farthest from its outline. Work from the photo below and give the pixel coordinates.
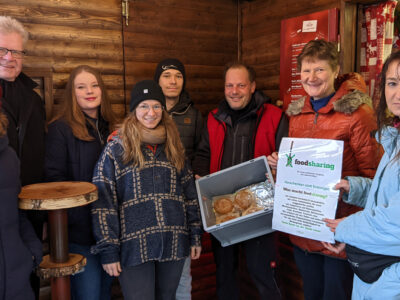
(389, 139)
(349, 96)
(183, 105)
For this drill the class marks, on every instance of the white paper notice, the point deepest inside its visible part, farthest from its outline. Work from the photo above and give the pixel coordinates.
(310, 26)
(308, 169)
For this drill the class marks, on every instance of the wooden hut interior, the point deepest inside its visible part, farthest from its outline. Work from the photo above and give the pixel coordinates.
(126, 39)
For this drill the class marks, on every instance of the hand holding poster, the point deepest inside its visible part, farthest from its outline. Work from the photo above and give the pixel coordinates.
(308, 169)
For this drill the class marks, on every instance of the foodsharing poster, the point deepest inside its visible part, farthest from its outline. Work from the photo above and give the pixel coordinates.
(307, 171)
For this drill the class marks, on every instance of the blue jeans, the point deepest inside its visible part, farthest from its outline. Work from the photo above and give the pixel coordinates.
(185, 283)
(93, 283)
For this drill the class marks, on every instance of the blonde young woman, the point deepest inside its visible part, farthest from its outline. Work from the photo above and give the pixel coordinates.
(146, 221)
(75, 139)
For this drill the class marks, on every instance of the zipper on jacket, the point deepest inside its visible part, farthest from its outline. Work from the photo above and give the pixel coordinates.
(234, 144)
(98, 132)
(316, 117)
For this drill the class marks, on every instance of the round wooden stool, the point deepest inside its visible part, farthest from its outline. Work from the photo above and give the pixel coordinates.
(57, 197)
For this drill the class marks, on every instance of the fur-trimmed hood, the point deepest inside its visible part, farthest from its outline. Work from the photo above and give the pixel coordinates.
(349, 96)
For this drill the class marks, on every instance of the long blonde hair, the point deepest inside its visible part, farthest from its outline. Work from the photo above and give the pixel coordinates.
(132, 141)
(72, 114)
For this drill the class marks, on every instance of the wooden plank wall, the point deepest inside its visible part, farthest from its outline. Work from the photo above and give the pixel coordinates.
(200, 33)
(203, 35)
(68, 33)
(261, 49)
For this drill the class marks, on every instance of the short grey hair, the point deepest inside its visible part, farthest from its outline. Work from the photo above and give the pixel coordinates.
(10, 25)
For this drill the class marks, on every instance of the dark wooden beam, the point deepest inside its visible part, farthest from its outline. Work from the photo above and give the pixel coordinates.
(348, 37)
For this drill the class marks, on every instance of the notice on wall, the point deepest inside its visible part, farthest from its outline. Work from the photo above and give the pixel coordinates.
(308, 169)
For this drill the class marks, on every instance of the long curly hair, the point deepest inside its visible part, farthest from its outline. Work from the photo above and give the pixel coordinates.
(132, 141)
(71, 112)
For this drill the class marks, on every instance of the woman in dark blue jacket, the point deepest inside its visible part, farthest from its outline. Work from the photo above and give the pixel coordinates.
(75, 139)
(20, 249)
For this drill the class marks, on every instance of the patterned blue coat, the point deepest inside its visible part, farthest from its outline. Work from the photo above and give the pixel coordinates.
(148, 214)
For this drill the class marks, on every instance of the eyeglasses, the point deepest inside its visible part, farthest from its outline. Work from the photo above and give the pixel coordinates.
(146, 108)
(14, 53)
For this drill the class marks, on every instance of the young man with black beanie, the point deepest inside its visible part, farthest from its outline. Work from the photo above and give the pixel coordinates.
(171, 76)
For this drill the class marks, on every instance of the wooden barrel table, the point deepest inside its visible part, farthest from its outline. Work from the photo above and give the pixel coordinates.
(56, 198)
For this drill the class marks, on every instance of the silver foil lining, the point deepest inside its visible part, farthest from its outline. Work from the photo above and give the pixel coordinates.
(264, 193)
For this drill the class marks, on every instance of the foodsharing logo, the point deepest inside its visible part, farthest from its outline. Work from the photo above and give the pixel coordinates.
(289, 157)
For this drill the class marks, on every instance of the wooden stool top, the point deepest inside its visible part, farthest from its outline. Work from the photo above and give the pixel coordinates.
(48, 269)
(57, 195)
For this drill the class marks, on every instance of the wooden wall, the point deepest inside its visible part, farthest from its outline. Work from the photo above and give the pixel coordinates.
(200, 33)
(68, 33)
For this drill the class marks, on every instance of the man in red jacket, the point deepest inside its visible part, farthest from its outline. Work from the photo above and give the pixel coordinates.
(244, 126)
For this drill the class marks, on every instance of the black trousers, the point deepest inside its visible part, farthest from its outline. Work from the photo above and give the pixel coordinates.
(151, 280)
(37, 218)
(324, 277)
(259, 252)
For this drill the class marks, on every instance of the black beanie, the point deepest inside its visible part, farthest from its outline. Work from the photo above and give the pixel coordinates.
(170, 63)
(146, 90)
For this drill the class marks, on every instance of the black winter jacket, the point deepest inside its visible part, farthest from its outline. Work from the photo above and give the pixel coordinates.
(71, 159)
(20, 250)
(189, 122)
(26, 129)
(239, 137)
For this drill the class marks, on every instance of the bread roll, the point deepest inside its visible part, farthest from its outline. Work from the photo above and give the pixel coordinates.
(244, 199)
(223, 205)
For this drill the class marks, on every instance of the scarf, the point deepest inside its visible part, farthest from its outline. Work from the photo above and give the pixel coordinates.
(154, 136)
(396, 122)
